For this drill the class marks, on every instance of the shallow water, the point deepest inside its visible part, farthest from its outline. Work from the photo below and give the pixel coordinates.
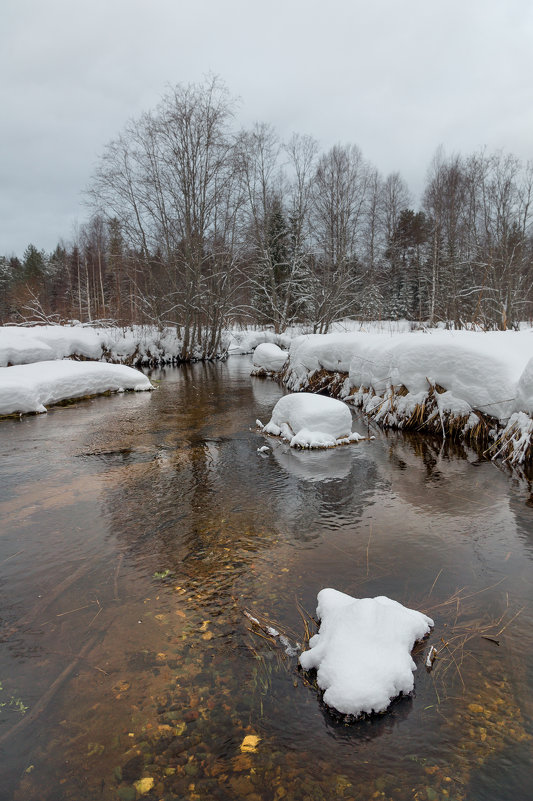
(135, 529)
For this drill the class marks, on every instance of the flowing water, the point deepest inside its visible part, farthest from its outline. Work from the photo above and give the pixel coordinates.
(136, 530)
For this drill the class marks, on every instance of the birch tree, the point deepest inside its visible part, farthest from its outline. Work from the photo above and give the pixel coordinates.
(170, 182)
(338, 202)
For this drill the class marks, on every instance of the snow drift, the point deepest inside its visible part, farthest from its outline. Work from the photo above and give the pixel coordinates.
(33, 387)
(362, 653)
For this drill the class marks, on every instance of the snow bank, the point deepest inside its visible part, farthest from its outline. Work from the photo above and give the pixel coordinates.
(32, 387)
(20, 345)
(310, 353)
(268, 358)
(434, 380)
(135, 345)
(311, 421)
(480, 370)
(362, 653)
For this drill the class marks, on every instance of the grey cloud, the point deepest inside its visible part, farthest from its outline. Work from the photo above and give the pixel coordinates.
(398, 79)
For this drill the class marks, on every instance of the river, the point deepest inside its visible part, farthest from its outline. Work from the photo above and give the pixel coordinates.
(137, 529)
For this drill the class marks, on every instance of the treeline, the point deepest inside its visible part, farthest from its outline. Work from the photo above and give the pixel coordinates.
(195, 224)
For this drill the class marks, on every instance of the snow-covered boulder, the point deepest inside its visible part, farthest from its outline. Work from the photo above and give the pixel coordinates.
(268, 358)
(311, 421)
(32, 387)
(362, 653)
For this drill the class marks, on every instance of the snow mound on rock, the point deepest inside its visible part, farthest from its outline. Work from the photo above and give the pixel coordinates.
(362, 653)
(32, 387)
(311, 421)
(268, 358)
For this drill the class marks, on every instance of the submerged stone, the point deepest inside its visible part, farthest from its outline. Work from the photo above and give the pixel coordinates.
(133, 768)
(250, 742)
(144, 786)
(127, 793)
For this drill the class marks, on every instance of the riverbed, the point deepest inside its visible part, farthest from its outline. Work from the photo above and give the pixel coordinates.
(138, 530)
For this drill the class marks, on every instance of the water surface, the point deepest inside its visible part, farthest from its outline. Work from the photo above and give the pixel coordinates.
(135, 531)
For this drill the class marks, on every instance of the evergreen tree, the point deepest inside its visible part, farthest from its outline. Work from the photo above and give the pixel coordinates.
(33, 264)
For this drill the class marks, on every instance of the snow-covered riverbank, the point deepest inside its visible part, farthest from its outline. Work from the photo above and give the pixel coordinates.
(32, 387)
(43, 365)
(458, 383)
(136, 346)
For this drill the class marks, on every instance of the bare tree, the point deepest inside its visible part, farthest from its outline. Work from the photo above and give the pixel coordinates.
(170, 183)
(339, 196)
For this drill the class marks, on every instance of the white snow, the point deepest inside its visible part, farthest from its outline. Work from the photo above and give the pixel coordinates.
(362, 653)
(27, 344)
(33, 387)
(479, 369)
(19, 345)
(467, 375)
(246, 340)
(311, 421)
(524, 400)
(268, 358)
(482, 370)
(312, 352)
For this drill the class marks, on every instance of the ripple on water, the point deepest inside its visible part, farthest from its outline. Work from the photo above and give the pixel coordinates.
(151, 525)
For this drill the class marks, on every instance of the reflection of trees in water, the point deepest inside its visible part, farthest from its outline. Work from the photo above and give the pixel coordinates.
(185, 513)
(419, 465)
(204, 498)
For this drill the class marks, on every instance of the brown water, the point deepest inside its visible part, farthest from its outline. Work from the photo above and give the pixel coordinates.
(135, 529)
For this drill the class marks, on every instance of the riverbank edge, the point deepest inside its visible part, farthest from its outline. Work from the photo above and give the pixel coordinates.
(511, 440)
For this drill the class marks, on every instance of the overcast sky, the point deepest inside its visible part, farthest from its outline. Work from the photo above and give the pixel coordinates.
(396, 77)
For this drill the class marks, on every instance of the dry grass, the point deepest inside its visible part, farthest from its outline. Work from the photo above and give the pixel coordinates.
(457, 637)
(462, 633)
(426, 417)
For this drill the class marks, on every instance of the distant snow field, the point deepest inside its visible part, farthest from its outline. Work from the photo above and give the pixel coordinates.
(362, 652)
(32, 387)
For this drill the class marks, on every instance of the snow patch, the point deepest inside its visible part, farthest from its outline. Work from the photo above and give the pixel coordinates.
(362, 653)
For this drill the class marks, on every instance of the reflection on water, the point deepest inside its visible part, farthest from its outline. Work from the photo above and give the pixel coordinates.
(316, 465)
(136, 529)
